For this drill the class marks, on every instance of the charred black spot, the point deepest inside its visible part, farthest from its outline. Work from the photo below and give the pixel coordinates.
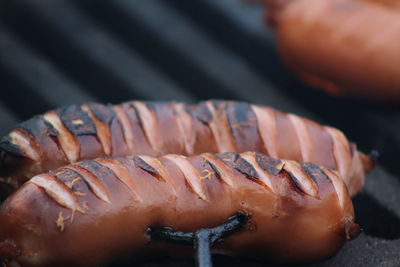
(239, 113)
(51, 130)
(32, 126)
(246, 168)
(201, 112)
(7, 146)
(144, 166)
(104, 113)
(314, 171)
(38, 126)
(268, 164)
(215, 169)
(95, 168)
(70, 178)
(77, 121)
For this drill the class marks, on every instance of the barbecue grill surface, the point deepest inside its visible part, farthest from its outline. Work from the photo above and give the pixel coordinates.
(60, 52)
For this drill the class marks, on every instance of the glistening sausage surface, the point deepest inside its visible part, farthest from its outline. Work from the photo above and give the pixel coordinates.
(343, 46)
(89, 213)
(75, 133)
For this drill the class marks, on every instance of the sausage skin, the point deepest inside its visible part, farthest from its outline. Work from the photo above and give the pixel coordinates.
(92, 212)
(76, 133)
(347, 47)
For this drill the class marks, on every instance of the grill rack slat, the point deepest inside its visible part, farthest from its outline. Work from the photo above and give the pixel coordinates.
(42, 77)
(222, 26)
(104, 50)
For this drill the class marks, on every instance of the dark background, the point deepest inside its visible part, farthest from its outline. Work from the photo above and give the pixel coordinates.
(56, 52)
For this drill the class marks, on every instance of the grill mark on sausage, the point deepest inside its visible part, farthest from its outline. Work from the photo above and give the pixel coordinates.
(185, 125)
(95, 184)
(96, 169)
(58, 191)
(103, 130)
(314, 171)
(104, 113)
(340, 187)
(220, 166)
(242, 123)
(295, 182)
(161, 169)
(302, 181)
(268, 164)
(68, 142)
(152, 105)
(51, 130)
(76, 120)
(34, 127)
(6, 145)
(191, 174)
(126, 127)
(215, 169)
(200, 112)
(139, 162)
(303, 137)
(264, 177)
(266, 122)
(228, 156)
(149, 122)
(220, 128)
(137, 119)
(246, 168)
(26, 144)
(137, 114)
(122, 173)
(218, 104)
(71, 178)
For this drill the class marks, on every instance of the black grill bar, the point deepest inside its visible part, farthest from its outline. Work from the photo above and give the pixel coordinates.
(149, 44)
(43, 78)
(138, 77)
(7, 119)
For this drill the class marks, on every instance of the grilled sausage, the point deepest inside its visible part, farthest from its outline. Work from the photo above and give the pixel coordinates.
(77, 133)
(358, 56)
(91, 212)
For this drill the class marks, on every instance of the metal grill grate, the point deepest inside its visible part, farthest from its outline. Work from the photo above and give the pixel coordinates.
(58, 52)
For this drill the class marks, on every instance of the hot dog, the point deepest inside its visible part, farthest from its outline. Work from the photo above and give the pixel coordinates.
(76, 133)
(88, 213)
(347, 47)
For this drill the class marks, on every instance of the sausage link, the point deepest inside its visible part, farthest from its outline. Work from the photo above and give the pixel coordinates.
(92, 212)
(76, 133)
(358, 56)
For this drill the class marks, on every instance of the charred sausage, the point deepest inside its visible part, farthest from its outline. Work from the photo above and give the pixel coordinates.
(91, 212)
(76, 133)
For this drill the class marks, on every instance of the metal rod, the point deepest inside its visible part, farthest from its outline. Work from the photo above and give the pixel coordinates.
(202, 239)
(202, 245)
